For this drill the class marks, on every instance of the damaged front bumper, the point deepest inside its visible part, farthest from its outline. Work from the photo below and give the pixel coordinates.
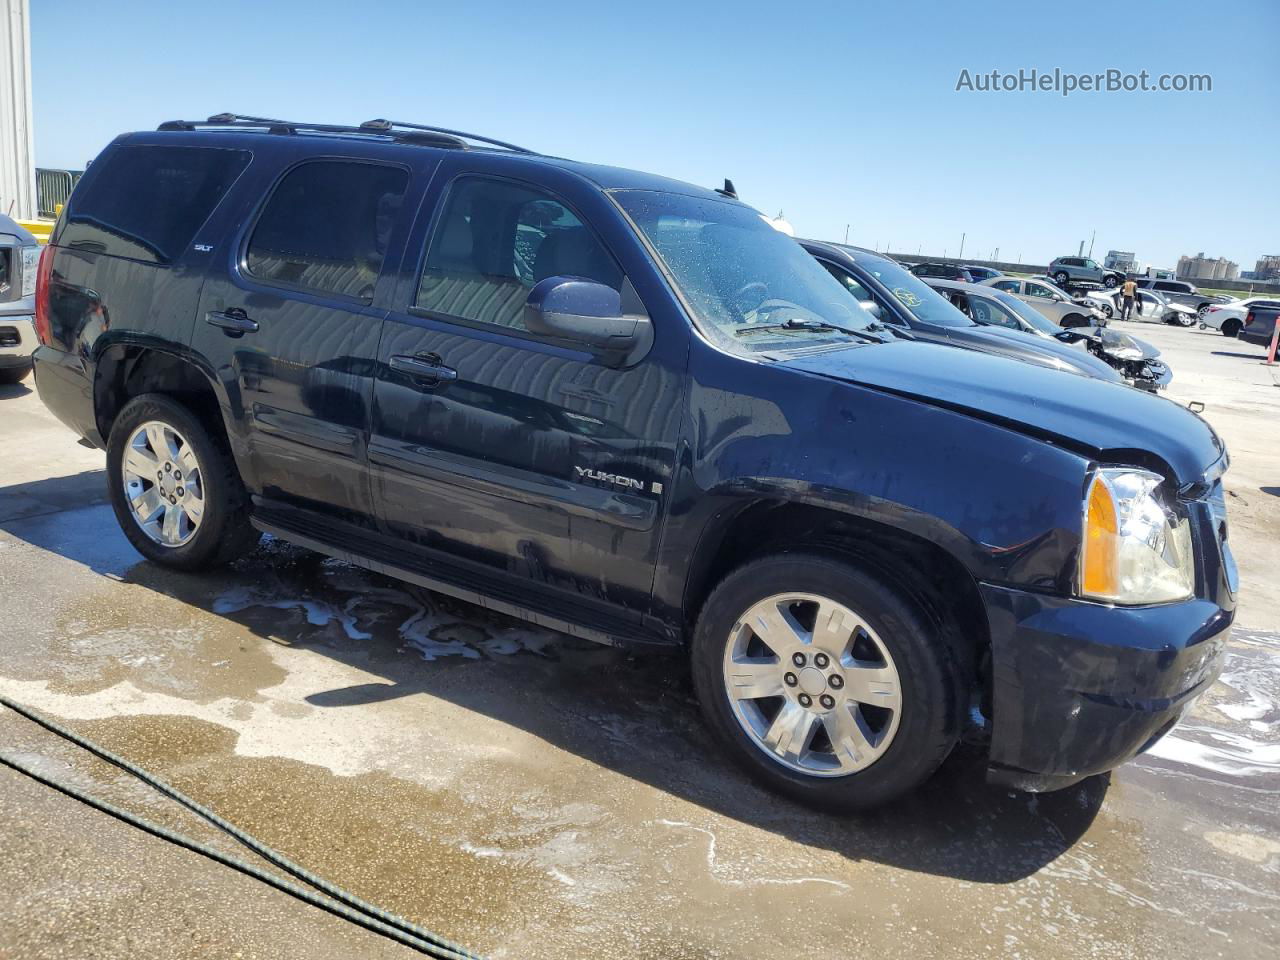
(1081, 687)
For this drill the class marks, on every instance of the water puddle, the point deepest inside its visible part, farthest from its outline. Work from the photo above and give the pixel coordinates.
(1234, 734)
(349, 601)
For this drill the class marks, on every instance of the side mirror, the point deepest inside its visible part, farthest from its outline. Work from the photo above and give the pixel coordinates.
(872, 308)
(587, 313)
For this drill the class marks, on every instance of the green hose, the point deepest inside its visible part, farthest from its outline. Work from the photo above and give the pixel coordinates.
(337, 901)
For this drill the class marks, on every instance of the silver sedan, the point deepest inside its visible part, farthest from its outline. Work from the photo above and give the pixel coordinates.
(1049, 300)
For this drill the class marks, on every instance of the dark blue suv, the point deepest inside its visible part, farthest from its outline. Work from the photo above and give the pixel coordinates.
(627, 408)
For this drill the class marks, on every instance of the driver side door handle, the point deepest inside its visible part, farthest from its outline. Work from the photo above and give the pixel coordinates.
(234, 322)
(426, 368)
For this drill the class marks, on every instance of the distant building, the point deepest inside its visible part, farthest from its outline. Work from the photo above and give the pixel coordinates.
(1267, 267)
(1126, 261)
(1201, 267)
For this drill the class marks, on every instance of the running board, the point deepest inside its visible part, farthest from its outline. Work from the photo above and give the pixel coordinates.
(628, 636)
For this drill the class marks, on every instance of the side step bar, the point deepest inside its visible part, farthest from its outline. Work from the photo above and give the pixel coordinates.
(632, 638)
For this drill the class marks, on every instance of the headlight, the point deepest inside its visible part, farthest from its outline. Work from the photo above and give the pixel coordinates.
(1134, 550)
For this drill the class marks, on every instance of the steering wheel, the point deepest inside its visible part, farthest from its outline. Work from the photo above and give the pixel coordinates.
(750, 295)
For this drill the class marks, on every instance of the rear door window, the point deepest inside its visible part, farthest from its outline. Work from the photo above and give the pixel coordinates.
(147, 202)
(326, 226)
(1010, 285)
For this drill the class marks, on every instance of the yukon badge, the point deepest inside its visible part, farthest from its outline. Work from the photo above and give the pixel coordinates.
(617, 480)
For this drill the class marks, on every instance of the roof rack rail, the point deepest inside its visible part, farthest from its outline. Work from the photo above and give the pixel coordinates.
(391, 125)
(400, 132)
(240, 121)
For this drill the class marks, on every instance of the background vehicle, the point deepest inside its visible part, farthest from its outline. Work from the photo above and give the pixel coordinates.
(982, 273)
(1136, 360)
(1230, 317)
(19, 254)
(946, 271)
(1180, 291)
(1054, 303)
(1065, 270)
(907, 304)
(633, 411)
(1260, 325)
(1157, 309)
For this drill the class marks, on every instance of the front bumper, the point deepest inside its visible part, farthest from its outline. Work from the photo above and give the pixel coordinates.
(1079, 687)
(17, 341)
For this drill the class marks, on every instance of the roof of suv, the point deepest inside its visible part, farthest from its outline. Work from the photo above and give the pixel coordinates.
(374, 143)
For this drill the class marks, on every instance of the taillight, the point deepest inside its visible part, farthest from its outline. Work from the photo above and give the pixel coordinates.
(44, 328)
(1213, 310)
(1248, 319)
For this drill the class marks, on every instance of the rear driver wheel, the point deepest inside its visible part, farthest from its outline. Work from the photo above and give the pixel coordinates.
(1231, 328)
(823, 682)
(174, 486)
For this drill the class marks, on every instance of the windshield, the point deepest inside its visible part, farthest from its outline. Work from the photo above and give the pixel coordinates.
(913, 293)
(1028, 313)
(743, 279)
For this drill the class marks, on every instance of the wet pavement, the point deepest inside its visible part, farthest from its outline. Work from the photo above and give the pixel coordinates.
(535, 796)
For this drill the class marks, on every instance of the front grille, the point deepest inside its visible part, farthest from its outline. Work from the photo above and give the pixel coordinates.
(9, 337)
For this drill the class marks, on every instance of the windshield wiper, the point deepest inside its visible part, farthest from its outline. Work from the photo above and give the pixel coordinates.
(814, 325)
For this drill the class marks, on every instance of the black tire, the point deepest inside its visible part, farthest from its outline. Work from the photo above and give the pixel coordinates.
(1080, 320)
(224, 532)
(1231, 328)
(1061, 279)
(1111, 282)
(11, 375)
(929, 680)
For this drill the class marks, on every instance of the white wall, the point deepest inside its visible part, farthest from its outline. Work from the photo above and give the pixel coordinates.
(17, 144)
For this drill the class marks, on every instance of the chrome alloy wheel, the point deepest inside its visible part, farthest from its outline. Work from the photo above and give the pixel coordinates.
(812, 684)
(163, 484)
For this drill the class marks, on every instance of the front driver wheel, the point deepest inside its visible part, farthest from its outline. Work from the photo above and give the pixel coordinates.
(823, 682)
(174, 487)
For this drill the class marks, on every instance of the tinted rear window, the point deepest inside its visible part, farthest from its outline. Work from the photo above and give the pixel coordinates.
(326, 226)
(146, 203)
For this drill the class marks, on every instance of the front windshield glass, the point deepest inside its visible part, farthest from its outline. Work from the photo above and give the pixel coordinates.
(750, 287)
(1028, 313)
(913, 293)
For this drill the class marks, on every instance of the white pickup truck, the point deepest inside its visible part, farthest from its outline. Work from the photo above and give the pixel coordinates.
(19, 256)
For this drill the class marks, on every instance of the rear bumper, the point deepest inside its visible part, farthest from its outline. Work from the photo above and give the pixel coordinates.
(1079, 688)
(17, 341)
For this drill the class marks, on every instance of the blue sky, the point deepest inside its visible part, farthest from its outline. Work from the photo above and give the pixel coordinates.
(835, 114)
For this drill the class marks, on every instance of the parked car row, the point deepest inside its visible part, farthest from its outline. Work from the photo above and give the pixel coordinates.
(628, 409)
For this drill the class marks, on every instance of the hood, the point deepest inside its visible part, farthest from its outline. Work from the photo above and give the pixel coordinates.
(1116, 343)
(1105, 420)
(1031, 348)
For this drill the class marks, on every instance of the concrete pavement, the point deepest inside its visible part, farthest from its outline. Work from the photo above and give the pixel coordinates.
(534, 796)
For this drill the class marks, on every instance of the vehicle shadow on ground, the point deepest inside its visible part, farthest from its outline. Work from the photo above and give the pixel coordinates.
(13, 390)
(1238, 356)
(633, 715)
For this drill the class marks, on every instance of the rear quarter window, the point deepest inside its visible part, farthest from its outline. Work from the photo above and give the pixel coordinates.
(147, 202)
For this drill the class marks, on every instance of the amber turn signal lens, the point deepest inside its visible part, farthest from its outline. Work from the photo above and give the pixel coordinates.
(1100, 567)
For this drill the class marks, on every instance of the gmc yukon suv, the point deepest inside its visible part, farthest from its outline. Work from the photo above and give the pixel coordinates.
(628, 409)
